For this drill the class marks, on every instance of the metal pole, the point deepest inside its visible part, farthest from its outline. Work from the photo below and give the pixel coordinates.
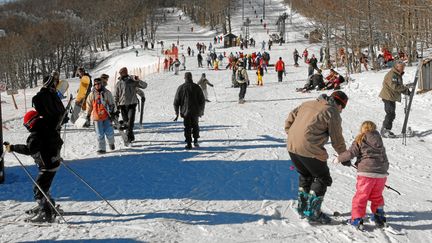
(88, 185)
(264, 10)
(40, 189)
(243, 11)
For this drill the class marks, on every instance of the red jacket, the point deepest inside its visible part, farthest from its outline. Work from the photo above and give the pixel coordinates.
(280, 66)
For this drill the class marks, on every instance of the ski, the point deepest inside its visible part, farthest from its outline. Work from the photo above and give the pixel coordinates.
(408, 106)
(119, 126)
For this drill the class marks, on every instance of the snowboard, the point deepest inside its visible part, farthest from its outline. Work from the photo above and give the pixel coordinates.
(75, 113)
(62, 87)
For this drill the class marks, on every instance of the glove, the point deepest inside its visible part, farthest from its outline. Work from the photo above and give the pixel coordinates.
(176, 118)
(346, 163)
(8, 147)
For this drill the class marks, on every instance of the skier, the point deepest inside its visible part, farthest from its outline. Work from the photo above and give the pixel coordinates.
(83, 91)
(312, 65)
(260, 74)
(203, 82)
(280, 68)
(242, 80)
(372, 165)
(209, 61)
(305, 55)
(183, 61)
(263, 43)
(200, 59)
(189, 103)
(47, 103)
(309, 126)
(296, 57)
(104, 77)
(176, 65)
(43, 144)
(315, 81)
(126, 100)
(390, 93)
(100, 106)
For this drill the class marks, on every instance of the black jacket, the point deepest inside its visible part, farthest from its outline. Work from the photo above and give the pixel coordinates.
(49, 106)
(43, 145)
(189, 100)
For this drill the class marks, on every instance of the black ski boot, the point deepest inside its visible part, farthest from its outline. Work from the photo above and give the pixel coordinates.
(196, 144)
(302, 198)
(379, 218)
(188, 146)
(46, 214)
(313, 209)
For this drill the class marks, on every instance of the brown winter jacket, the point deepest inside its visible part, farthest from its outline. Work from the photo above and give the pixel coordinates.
(393, 86)
(371, 156)
(309, 127)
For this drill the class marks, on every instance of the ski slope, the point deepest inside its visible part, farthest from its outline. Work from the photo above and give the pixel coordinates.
(240, 185)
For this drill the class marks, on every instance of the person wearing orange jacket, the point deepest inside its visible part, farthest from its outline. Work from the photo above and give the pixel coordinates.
(280, 68)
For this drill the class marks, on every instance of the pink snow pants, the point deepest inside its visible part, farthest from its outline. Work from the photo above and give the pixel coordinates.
(368, 189)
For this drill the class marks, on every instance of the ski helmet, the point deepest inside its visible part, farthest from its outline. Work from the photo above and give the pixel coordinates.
(30, 119)
(340, 98)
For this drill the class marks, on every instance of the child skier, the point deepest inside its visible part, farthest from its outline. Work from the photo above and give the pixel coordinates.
(260, 74)
(44, 145)
(372, 166)
(100, 104)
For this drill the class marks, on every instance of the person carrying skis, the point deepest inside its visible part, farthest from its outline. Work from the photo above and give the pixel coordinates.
(189, 103)
(83, 91)
(203, 82)
(372, 166)
(391, 91)
(100, 106)
(43, 144)
(280, 68)
(309, 126)
(126, 100)
(242, 79)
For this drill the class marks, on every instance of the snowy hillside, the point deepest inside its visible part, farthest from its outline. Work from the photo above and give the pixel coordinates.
(240, 185)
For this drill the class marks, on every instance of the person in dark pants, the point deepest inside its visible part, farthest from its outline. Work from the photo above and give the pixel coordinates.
(189, 103)
(280, 68)
(243, 80)
(390, 93)
(43, 144)
(309, 126)
(126, 99)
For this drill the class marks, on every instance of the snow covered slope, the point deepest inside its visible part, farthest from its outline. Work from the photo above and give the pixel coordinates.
(239, 186)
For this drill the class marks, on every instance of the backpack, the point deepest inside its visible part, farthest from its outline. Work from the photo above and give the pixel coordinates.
(240, 76)
(341, 79)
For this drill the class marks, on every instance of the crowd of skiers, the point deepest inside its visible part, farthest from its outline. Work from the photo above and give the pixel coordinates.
(306, 149)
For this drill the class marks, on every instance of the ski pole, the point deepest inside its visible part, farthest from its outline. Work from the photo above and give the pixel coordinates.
(88, 185)
(40, 189)
(214, 91)
(388, 187)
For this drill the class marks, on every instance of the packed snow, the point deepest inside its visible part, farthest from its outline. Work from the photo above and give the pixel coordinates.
(239, 186)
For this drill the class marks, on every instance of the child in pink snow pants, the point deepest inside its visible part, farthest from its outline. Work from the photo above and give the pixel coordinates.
(372, 165)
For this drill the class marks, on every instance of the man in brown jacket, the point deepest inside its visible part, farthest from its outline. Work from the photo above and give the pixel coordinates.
(309, 127)
(390, 93)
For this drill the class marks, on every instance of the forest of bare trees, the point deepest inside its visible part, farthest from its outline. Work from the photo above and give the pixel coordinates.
(398, 25)
(61, 35)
